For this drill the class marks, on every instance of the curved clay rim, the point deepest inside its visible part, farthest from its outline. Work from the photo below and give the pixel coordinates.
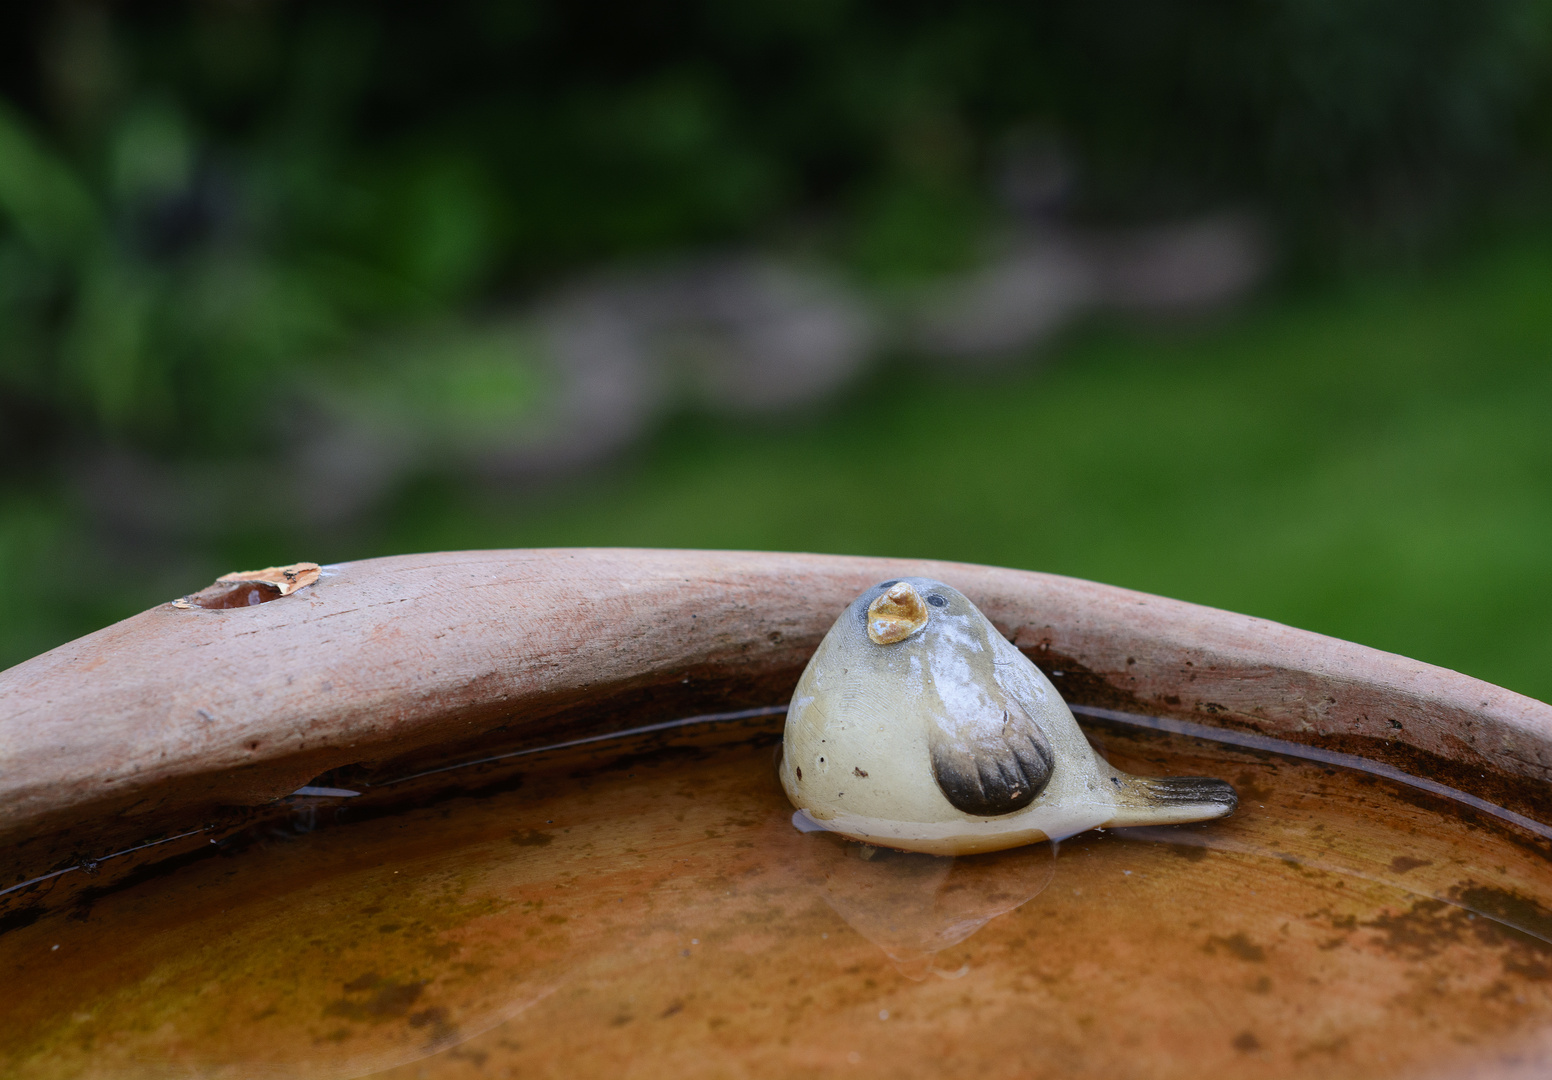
(157, 723)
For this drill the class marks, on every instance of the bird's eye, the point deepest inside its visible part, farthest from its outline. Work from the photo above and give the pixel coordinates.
(936, 601)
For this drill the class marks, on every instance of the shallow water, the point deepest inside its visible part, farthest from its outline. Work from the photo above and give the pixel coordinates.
(653, 911)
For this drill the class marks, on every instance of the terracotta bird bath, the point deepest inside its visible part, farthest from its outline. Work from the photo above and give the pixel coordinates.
(515, 813)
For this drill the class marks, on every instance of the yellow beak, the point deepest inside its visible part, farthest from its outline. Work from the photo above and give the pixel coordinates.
(897, 614)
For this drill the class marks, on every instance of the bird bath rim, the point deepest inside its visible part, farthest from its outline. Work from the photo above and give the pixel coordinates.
(175, 719)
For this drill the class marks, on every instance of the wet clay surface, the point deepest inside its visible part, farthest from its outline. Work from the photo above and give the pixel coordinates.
(660, 916)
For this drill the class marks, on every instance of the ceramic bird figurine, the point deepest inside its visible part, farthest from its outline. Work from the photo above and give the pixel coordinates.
(916, 725)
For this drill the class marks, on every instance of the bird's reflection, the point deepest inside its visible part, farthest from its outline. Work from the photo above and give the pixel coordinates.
(914, 906)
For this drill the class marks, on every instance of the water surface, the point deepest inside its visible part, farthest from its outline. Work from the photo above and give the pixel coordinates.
(643, 910)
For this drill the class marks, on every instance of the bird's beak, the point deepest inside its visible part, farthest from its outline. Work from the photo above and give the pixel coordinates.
(897, 614)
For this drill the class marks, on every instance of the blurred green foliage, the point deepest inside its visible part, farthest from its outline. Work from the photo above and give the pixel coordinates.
(1372, 460)
(202, 201)
(203, 205)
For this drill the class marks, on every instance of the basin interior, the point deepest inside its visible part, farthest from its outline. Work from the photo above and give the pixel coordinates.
(645, 906)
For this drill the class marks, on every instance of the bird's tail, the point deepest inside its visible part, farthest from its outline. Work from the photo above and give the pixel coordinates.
(1169, 800)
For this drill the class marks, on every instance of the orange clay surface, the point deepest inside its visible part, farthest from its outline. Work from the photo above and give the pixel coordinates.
(659, 916)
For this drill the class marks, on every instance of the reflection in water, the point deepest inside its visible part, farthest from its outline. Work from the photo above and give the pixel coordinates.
(914, 906)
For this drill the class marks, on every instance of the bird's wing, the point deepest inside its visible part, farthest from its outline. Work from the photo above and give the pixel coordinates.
(992, 764)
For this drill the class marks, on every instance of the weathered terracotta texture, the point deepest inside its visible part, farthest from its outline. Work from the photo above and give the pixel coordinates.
(150, 725)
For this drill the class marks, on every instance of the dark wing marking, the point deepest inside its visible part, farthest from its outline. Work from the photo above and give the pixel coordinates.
(992, 772)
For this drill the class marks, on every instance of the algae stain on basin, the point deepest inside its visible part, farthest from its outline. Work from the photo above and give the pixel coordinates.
(654, 912)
